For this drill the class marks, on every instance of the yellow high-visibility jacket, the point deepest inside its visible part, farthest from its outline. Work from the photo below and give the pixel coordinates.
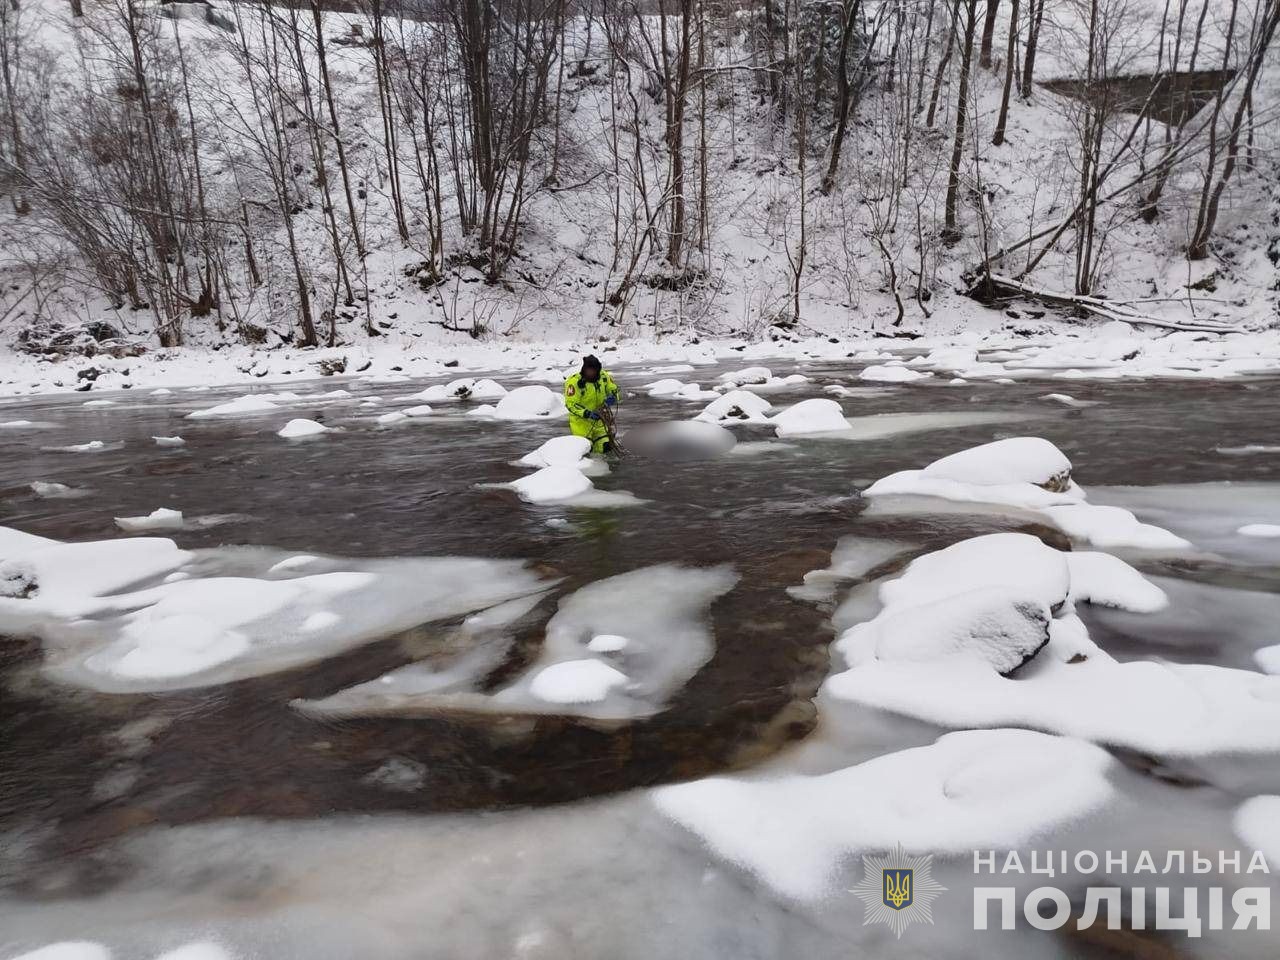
(580, 398)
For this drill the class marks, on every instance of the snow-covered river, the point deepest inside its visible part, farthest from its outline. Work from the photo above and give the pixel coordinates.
(361, 748)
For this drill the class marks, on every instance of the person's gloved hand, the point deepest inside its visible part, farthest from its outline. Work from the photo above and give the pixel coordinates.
(592, 415)
(610, 401)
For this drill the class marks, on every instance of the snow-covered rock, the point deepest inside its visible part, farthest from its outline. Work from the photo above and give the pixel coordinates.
(1027, 473)
(390, 419)
(533, 402)
(160, 519)
(1013, 460)
(169, 441)
(678, 390)
(736, 405)
(811, 416)
(420, 410)
(296, 429)
(466, 388)
(576, 681)
(566, 451)
(1070, 686)
(552, 484)
(747, 375)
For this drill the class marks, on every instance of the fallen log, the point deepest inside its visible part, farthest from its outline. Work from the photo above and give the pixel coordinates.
(995, 286)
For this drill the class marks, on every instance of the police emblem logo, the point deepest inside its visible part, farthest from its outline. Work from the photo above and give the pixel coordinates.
(569, 390)
(897, 889)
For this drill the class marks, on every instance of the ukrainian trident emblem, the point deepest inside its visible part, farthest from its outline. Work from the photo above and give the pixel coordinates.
(898, 889)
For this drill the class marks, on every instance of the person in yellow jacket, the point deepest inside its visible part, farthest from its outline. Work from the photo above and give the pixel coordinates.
(586, 394)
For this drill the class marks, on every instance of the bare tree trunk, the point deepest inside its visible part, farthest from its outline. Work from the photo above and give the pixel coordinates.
(1035, 17)
(943, 62)
(998, 137)
(1271, 19)
(962, 105)
(844, 93)
(988, 33)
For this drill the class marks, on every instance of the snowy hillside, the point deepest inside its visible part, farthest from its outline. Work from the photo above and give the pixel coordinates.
(265, 178)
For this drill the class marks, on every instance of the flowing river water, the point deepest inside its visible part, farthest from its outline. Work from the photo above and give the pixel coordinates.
(95, 827)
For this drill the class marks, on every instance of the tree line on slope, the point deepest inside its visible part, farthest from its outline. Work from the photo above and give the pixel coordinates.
(254, 164)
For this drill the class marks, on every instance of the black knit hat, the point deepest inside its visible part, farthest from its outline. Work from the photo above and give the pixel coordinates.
(589, 362)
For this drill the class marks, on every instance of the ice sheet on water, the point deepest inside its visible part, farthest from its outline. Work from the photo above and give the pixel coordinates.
(852, 558)
(162, 518)
(615, 649)
(1208, 514)
(246, 406)
(140, 614)
(1197, 621)
(971, 789)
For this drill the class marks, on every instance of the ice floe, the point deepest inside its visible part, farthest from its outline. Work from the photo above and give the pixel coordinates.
(161, 518)
(615, 649)
(113, 616)
(250, 405)
(1260, 530)
(169, 441)
(56, 491)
